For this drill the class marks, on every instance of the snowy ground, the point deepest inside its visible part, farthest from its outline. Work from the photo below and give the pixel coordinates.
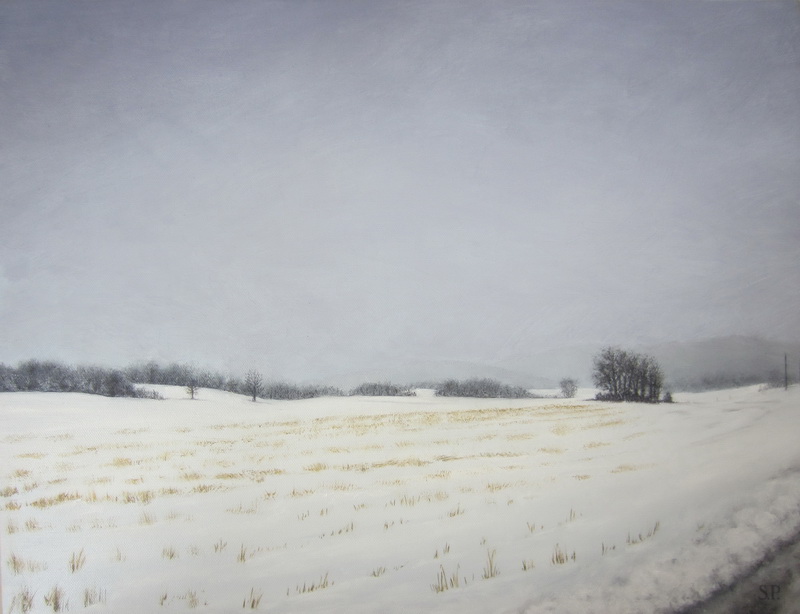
(377, 504)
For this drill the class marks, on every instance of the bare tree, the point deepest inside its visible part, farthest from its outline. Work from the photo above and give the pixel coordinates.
(192, 387)
(253, 384)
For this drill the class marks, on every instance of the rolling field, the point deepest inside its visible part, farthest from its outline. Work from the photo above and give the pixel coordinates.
(361, 504)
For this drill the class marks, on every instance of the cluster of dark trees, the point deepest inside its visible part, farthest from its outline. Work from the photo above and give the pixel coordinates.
(626, 376)
(483, 388)
(51, 376)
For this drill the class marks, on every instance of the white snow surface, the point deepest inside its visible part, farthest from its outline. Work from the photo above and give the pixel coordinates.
(207, 504)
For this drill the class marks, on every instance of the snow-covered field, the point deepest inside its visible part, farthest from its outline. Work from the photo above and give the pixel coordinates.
(380, 504)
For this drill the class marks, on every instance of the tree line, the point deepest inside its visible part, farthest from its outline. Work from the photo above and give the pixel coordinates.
(620, 375)
(51, 376)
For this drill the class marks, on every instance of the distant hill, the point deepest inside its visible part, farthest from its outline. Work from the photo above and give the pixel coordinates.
(708, 363)
(725, 361)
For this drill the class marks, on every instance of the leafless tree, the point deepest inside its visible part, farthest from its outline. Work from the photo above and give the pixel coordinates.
(192, 387)
(253, 384)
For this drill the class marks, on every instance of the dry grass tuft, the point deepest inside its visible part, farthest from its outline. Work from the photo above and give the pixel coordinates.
(491, 570)
(638, 539)
(77, 561)
(528, 564)
(495, 486)
(560, 557)
(56, 600)
(141, 496)
(17, 564)
(31, 524)
(252, 601)
(59, 498)
(23, 600)
(244, 510)
(456, 512)
(314, 586)
(220, 546)
(573, 515)
(37, 455)
(377, 573)
(169, 553)
(92, 596)
(204, 488)
(192, 600)
(348, 528)
(445, 582)
(229, 476)
(147, 519)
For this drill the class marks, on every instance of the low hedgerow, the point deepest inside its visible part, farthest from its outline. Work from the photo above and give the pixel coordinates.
(483, 388)
(382, 389)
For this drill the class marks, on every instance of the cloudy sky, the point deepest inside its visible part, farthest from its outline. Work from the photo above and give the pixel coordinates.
(311, 187)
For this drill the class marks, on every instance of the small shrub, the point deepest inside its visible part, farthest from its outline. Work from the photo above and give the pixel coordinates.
(569, 388)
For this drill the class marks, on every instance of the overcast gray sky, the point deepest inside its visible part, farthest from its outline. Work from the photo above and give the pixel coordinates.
(310, 187)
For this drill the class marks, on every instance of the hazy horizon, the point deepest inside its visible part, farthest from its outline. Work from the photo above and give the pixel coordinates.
(312, 188)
